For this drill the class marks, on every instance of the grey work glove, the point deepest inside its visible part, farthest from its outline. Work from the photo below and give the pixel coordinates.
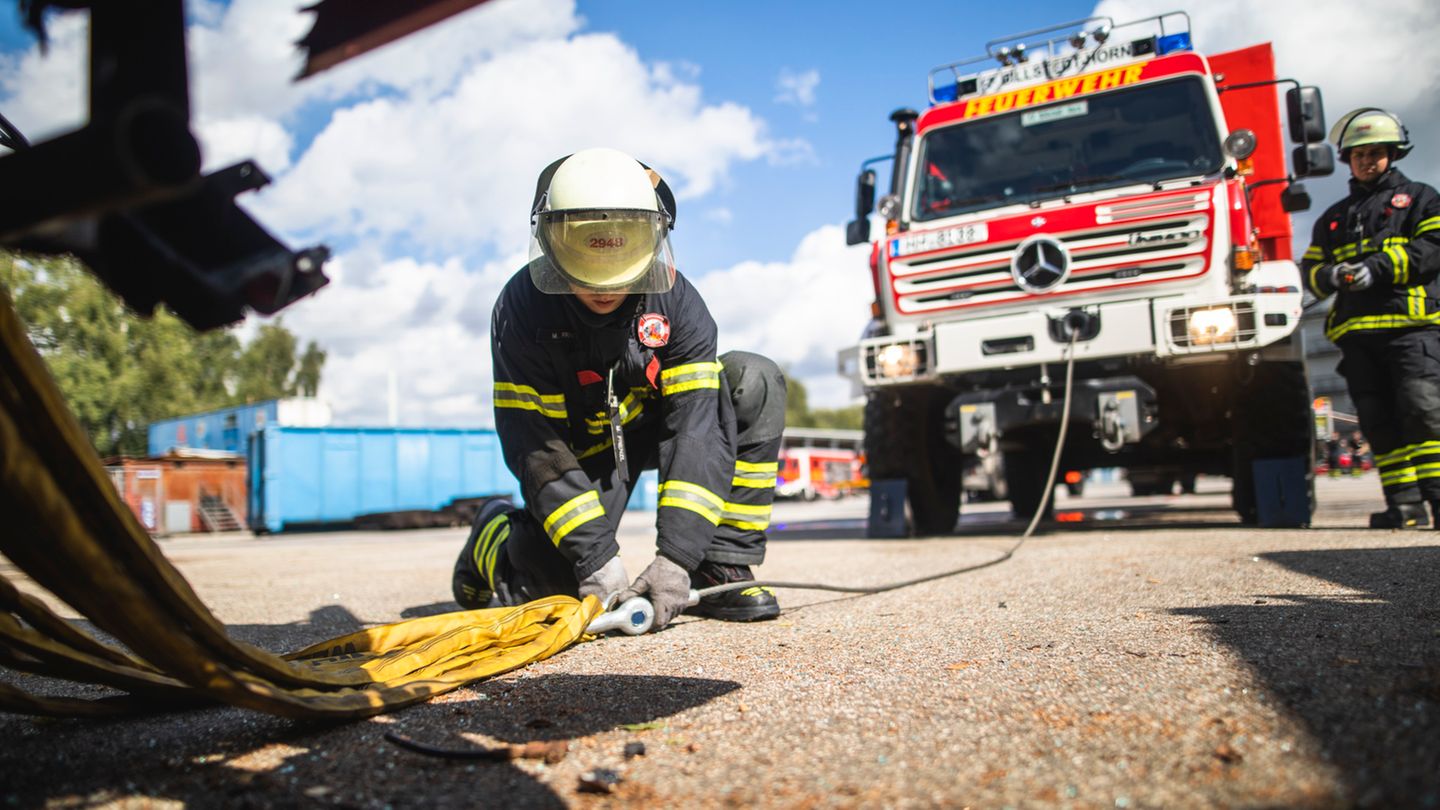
(668, 587)
(606, 583)
(1351, 276)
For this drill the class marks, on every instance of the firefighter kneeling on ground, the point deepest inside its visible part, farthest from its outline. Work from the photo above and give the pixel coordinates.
(1378, 250)
(605, 364)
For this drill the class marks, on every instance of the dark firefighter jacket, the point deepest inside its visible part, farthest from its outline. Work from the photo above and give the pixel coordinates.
(1393, 226)
(553, 360)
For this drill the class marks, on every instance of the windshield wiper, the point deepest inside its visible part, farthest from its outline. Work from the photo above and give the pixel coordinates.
(1074, 185)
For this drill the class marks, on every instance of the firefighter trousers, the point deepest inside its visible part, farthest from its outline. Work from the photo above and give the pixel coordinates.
(1394, 381)
(753, 395)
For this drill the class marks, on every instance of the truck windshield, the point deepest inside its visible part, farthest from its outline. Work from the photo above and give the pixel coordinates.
(1141, 134)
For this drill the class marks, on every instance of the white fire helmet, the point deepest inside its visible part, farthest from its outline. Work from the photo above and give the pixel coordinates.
(601, 223)
(1368, 125)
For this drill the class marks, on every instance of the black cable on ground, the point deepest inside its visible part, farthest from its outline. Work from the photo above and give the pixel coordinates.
(1010, 552)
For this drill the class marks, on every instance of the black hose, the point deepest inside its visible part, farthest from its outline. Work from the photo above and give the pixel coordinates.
(1010, 552)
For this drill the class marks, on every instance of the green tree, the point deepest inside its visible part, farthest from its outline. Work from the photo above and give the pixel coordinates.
(120, 372)
(267, 365)
(797, 403)
(307, 376)
(798, 413)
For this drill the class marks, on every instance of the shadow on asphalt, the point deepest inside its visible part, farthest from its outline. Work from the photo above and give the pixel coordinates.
(1360, 671)
(206, 757)
(990, 524)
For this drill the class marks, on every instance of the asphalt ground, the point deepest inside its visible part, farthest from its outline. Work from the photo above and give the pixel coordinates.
(1147, 652)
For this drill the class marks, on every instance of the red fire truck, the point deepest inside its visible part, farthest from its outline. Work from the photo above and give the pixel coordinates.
(809, 473)
(1104, 190)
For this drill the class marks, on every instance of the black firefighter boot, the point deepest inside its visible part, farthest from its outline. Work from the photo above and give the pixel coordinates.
(1401, 516)
(474, 573)
(750, 604)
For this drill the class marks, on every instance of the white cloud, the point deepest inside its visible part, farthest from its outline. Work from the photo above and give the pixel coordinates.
(44, 96)
(426, 323)
(798, 313)
(797, 88)
(237, 138)
(457, 171)
(720, 216)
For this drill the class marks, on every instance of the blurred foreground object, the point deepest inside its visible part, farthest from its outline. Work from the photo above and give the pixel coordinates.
(347, 28)
(125, 193)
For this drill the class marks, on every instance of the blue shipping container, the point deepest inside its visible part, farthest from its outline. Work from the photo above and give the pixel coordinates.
(331, 475)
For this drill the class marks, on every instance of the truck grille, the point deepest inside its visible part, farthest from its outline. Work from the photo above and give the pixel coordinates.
(1135, 242)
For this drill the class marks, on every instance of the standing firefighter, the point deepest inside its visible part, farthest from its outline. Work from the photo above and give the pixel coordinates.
(605, 364)
(1378, 250)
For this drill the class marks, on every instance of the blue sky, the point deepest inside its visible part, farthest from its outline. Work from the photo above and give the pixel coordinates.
(416, 162)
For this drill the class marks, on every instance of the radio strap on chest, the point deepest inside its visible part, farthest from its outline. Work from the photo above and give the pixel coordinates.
(617, 426)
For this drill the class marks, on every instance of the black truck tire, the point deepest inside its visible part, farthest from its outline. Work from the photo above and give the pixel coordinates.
(1025, 474)
(1271, 418)
(904, 438)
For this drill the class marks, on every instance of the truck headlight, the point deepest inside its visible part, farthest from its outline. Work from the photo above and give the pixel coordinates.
(1216, 325)
(897, 360)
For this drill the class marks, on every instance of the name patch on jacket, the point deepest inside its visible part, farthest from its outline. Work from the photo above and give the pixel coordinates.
(654, 329)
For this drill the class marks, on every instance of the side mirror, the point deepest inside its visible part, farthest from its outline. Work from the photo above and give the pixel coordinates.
(859, 230)
(1313, 160)
(865, 194)
(1306, 114)
(1294, 198)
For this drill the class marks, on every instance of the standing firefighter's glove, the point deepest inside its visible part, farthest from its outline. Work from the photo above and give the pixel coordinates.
(606, 583)
(667, 585)
(1355, 276)
(1349, 276)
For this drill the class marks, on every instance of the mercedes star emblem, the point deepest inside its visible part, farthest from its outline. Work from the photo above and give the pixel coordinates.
(1040, 264)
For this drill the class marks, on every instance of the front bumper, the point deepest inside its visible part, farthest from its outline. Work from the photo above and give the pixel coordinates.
(1161, 327)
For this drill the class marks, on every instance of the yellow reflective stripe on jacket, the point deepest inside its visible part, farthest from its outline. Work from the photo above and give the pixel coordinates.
(525, 398)
(745, 516)
(1352, 249)
(1415, 301)
(1427, 225)
(1423, 471)
(1380, 322)
(756, 476)
(630, 410)
(1399, 263)
(697, 499)
(580, 509)
(689, 377)
(1403, 476)
(1314, 252)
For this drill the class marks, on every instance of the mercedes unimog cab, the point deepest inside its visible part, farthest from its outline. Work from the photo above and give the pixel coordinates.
(1102, 189)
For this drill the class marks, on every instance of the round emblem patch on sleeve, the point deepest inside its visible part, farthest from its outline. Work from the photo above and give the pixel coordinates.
(654, 329)
(1400, 200)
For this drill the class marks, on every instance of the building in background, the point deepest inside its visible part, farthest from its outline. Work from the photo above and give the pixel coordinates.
(183, 491)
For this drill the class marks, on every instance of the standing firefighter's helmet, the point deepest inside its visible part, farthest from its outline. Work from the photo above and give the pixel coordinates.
(1370, 125)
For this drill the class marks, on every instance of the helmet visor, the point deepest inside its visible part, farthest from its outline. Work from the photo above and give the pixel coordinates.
(601, 250)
